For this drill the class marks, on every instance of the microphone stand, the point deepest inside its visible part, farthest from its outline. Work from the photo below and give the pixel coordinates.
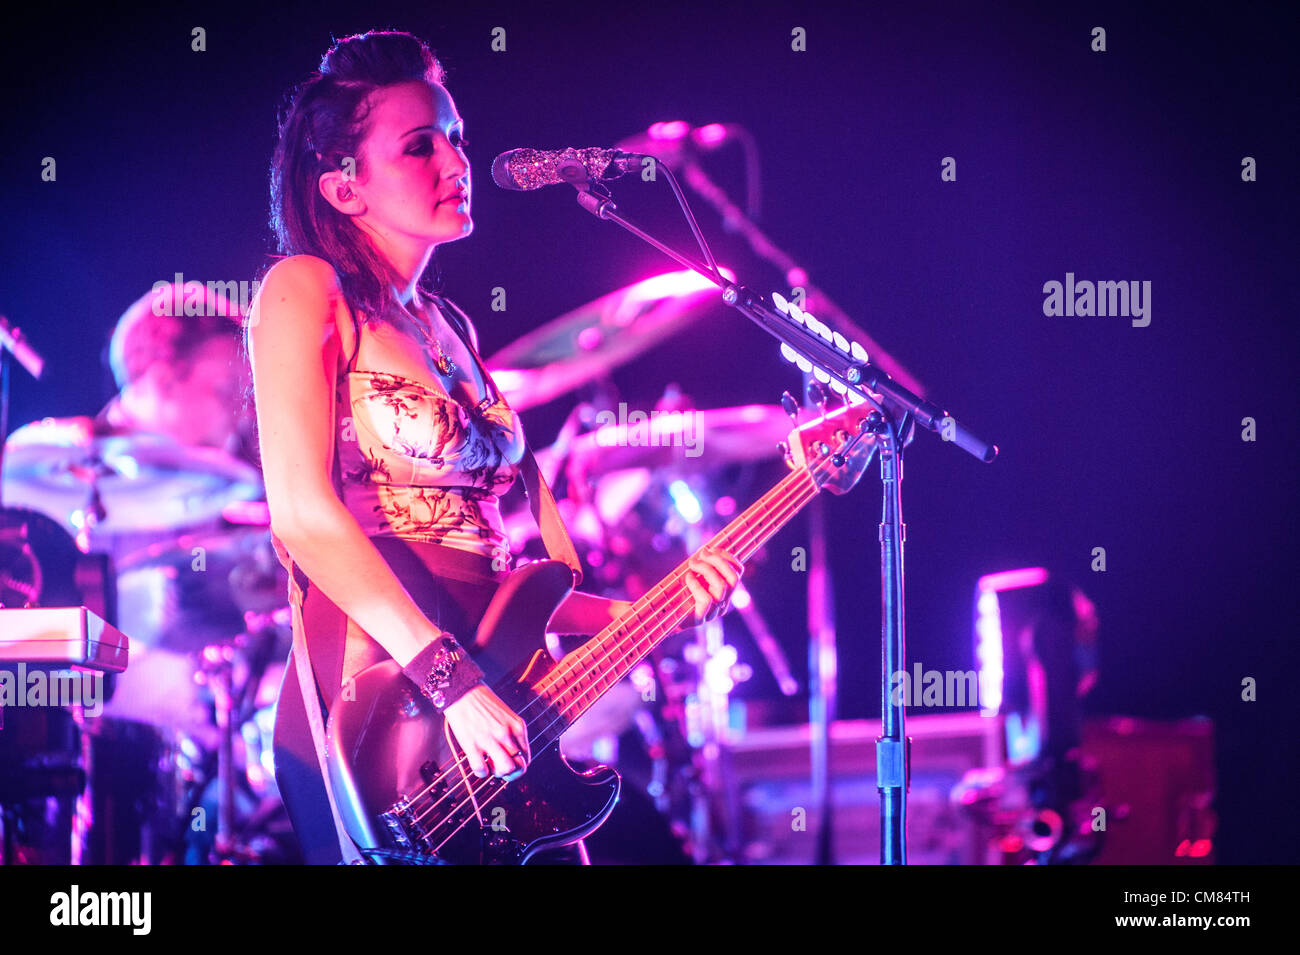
(12, 340)
(897, 411)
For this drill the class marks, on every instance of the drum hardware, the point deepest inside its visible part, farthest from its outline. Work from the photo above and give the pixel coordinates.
(142, 808)
(52, 601)
(217, 664)
(1027, 815)
(142, 785)
(708, 720)
(721, 436)
(233, 671)
(40, 566)
(115, 790)
(185, 593)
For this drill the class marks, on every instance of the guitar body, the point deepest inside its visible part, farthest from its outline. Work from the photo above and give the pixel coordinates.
(386, 742)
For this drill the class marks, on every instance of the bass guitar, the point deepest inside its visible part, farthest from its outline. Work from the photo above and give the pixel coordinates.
(405, 790)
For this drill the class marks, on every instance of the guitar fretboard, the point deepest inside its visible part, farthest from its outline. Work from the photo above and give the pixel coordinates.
(588, 672)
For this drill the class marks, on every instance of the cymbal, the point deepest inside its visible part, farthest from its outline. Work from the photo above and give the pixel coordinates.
(595, 338)
(81, 471)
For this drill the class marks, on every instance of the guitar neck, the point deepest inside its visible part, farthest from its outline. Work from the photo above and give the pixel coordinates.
(588, 672)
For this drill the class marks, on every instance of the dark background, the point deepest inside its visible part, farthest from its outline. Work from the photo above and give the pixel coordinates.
(1117, 165)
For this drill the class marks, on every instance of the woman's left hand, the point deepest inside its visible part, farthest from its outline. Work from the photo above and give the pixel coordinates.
(711, 577)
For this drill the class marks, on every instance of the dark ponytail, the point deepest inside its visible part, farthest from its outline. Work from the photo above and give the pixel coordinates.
(324, 123)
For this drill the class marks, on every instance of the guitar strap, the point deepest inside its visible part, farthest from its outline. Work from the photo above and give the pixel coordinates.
(315, 719)
(555, 538)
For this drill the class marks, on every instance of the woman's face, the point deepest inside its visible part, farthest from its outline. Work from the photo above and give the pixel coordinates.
(412, 175)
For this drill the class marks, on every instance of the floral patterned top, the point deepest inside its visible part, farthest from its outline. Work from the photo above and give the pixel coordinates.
(419, 465)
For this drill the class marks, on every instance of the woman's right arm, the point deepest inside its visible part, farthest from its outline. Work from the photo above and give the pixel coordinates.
(294, 349)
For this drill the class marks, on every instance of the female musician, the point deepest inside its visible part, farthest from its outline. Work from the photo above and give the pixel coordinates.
(384, 450)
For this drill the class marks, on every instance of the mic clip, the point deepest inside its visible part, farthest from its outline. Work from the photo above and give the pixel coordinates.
(595, 198)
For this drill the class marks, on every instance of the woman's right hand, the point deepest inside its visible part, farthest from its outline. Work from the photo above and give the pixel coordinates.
(488, 730)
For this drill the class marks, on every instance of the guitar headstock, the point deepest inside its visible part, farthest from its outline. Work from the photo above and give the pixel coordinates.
(835, 448)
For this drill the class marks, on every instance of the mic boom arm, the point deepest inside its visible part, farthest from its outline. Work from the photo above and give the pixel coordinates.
(828, 355)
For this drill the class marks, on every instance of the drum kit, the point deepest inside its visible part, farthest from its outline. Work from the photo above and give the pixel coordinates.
(178, 766)
(181, 569)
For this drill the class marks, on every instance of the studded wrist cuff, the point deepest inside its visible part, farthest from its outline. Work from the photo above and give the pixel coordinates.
(443, 671)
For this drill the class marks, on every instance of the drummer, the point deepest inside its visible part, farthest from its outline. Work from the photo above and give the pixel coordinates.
(183, 375)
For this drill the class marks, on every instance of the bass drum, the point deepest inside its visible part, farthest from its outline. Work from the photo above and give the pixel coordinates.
(142, 786)
(105, 792)
(40, 779)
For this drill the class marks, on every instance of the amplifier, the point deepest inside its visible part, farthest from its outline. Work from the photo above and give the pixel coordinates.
(1157, 778)
(779, 821)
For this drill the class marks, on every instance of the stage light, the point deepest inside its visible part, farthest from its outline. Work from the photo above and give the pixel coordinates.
(1034, 638)
(685, 501)
(710, 135)
(828, 334)
(669, 130)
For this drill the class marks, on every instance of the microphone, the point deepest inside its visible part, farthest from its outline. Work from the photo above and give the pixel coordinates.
(12, 340)
(526, 169)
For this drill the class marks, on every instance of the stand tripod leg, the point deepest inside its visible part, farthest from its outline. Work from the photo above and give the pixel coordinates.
(892, 769)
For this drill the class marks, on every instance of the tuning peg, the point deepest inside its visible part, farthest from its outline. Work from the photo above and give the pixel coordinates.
(790, 405)
(817, 395)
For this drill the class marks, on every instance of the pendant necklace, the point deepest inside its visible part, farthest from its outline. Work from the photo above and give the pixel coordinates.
(443, 362)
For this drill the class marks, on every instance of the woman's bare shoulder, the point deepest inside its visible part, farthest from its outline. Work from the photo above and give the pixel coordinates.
(300, 279)
(300, 299)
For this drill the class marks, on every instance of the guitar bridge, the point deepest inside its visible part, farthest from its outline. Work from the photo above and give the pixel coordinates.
(398, 820)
